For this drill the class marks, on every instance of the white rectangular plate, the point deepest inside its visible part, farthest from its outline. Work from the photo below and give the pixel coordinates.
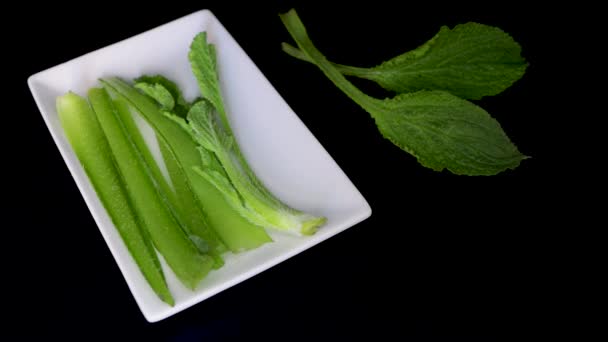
(281, 150)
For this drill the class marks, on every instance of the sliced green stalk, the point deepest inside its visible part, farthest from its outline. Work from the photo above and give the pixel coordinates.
(181, 254)
(233, 176)
(190, 210)
(236, 232)
(91, 147)
(179, 197)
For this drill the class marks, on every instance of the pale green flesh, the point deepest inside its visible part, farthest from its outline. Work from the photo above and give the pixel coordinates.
(188, 206)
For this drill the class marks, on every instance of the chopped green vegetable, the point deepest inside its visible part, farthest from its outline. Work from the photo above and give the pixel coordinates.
(237, 233)
(177, 197)
(91, 147)
(441, 130)
(470, 61)
(181, 254)
(224, 165)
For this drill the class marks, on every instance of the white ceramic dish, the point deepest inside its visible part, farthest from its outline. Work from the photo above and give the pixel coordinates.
(281, 150)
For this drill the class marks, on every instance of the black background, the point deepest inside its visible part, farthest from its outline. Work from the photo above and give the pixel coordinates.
(441, 258)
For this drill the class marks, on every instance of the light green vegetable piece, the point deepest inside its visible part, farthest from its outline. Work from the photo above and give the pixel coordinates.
(470, 61)
(441, 130)
(91, 147)
(236, 233)
(181, 254)
(178, 196)
(224, 165)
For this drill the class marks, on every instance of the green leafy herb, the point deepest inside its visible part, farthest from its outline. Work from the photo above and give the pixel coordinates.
(91, 147)
(470, 61)
(224, 165)
(441, 130)
(159, 93)
(180, 107)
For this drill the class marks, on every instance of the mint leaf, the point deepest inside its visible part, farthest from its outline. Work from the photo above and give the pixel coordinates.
(204, 66)
(159, 93)
(441, 130)
(181, 106)
(470, 61)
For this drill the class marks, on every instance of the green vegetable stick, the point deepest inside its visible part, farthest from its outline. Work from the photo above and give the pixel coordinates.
(170, 99)
(180, 253)
(178, 197)
(190, 209)
(235, 231)
(91, 147)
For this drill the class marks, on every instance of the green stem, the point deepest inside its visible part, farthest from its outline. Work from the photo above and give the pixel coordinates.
(344, 69)
(298, 32)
